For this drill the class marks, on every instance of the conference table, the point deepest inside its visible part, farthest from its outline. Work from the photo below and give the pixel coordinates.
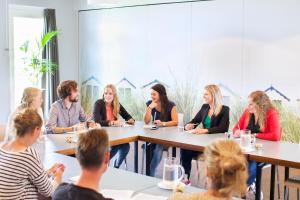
(275, 153)
(113, 179)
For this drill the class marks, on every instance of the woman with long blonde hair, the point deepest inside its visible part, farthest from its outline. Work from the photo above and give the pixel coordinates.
(214, 117)
(261, 118)
(225, 171)
(32, 98)
(106, 112)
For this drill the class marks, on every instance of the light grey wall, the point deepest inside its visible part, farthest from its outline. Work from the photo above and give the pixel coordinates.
(67, 40)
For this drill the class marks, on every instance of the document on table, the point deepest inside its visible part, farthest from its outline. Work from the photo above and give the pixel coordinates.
(127, 195)
(117, 194)
(189, 131)
(143, 196)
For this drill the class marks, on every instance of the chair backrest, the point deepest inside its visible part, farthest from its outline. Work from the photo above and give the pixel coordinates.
(2, 132)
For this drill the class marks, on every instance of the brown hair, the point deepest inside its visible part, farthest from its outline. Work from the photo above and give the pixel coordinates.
(116, 102)
(29, 94)
(92, 147)
(215, 92)
(163, 98)
(27, 121)
(226, 167)
(263, 102)
(65, 88)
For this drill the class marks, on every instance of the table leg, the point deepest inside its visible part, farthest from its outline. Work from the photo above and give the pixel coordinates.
(286, 177)
(174, 152)
(136, 156)
(272, 183)
(258, 181)
(148, 158)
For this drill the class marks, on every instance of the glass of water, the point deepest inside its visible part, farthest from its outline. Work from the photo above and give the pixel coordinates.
(180, 122)
(245, 141)
(173, 172)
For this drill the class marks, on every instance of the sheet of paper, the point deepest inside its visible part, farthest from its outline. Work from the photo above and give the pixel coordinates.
(74, 178)
(117, 194)
(126, 125)
(190, 131)
(143, 196)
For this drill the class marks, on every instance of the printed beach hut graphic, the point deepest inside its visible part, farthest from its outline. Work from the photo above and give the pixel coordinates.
(90, 92)
(125, 88)
(228, 94)
(155, 81)
(276, 95)
(146, 88)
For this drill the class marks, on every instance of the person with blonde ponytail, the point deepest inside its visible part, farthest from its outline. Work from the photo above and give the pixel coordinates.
(106, 112)
(214, 117)
(225, 171)
(21, 170)
(261, 118)
(32, 98)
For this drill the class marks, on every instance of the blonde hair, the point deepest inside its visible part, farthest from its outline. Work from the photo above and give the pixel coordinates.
(116, 102)
(215, 92)
(29, 94)
(263, 104)
(226, 167)
(27, 121)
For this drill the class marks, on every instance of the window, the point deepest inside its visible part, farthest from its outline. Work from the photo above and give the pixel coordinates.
(26, 24)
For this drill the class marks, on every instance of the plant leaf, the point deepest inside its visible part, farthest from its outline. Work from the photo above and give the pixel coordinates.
(47, 37)
(24, 46)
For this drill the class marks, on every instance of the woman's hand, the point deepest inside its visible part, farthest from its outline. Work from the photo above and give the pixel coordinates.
(131, 121)
(237, 133)
(54, 168)
(158, 122)
(152, 105)
(189, 127)
(200, 131)
(115, 123)
(58, 173)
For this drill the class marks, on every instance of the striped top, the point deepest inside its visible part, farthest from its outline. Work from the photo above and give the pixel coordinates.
(22, 175)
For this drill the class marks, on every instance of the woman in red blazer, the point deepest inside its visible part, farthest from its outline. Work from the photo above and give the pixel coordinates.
(262, 119)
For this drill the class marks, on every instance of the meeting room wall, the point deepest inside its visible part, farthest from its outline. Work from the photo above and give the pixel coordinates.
(241, 45)
(67, 41)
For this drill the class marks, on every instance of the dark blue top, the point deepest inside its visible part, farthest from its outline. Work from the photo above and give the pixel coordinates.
(168, 111)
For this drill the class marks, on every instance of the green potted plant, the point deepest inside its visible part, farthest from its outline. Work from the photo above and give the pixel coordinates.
(34, 65)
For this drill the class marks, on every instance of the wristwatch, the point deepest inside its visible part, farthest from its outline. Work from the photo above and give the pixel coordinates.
(164, 123)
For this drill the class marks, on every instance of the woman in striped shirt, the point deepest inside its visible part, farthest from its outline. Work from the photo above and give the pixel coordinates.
(22, 175)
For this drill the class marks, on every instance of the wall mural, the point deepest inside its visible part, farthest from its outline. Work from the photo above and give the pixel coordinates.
(187, 46)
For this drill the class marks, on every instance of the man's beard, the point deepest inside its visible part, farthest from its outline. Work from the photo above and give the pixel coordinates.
(74, 100)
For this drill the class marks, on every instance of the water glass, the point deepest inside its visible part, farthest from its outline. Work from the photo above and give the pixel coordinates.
(245, 141)
(171, 172)
(180, 121)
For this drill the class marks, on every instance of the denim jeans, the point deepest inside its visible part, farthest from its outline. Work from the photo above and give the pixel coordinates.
(156, 158)
(122, 151)
(252, 168)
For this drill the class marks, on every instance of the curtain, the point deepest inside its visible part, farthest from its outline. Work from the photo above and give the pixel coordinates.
(50, 81)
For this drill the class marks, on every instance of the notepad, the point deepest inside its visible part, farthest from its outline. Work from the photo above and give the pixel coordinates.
(143, 196)
(190, 131)
(74, 178)
(126, 125)
(129, 195)
(117, 194)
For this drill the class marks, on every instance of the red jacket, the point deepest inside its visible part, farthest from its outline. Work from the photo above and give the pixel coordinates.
(271, 129)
